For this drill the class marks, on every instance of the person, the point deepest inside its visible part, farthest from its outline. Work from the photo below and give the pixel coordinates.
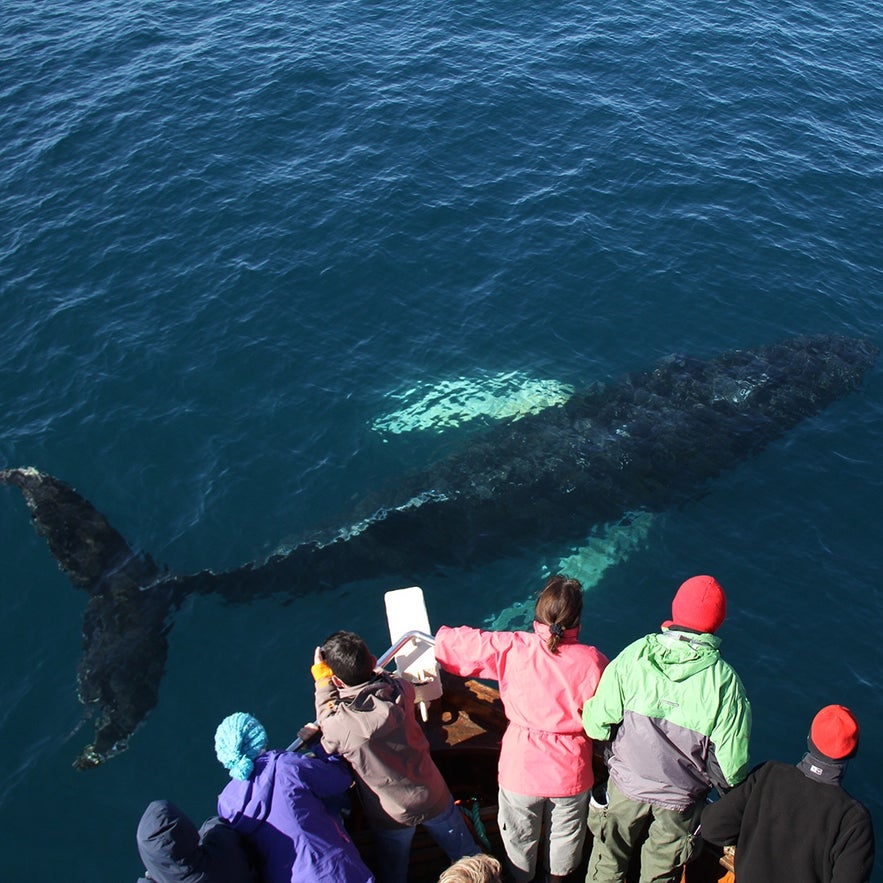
(678, 722)
(367, 717)
(545, 765)
(173, 851)
(481, 868)
(275, 800)
(798, 822)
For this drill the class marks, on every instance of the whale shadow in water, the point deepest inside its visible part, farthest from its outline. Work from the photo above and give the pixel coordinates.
(654, 440)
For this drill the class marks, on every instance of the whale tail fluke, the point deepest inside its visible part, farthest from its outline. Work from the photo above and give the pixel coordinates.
(80, 538)
(126, 624)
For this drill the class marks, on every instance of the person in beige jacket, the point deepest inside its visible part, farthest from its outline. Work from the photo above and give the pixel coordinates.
(366, 715)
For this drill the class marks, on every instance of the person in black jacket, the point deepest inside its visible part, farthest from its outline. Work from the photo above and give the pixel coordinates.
(173, 851)
(797, 822)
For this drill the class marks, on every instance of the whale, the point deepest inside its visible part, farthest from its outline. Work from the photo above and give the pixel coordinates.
(652, 440)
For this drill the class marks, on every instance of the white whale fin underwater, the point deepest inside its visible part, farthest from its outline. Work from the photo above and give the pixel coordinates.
(452, 403)
(609, 546)
(504, 396)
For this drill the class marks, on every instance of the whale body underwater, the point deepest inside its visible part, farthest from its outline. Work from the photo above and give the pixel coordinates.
(653, 440)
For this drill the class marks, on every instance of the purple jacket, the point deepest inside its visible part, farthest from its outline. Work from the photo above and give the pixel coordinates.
(280, 811)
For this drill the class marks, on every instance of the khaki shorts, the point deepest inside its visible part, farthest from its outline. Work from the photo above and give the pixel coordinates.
(521, 820)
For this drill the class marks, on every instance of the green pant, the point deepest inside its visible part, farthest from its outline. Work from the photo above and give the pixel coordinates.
(665, 838)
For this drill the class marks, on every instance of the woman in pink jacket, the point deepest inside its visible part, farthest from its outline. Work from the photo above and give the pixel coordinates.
(545, 770)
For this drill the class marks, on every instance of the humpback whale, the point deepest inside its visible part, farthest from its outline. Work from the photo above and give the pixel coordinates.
(653, 440)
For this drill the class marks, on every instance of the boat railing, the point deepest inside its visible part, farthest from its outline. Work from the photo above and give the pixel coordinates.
(382, 661)
(414, 635)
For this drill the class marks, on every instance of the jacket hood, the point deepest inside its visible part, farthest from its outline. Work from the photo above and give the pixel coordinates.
(363, 697)
(250, 804)
(169, 844)
(676, 655)
(377, 709)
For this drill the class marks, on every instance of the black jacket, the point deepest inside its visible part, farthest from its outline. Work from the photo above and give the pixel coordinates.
(788, 827)
(173, 851)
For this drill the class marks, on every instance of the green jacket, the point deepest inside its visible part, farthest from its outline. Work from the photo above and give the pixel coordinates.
(678, 716)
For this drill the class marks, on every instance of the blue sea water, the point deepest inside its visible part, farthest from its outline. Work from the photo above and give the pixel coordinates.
(234, 235)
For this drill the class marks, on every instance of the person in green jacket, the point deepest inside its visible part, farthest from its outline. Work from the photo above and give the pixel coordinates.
(678, 722)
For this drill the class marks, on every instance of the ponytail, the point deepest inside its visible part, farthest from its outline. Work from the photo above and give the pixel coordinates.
(556, 631)
(559, 606)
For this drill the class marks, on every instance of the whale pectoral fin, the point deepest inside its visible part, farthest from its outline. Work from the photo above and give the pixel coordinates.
(127, 620)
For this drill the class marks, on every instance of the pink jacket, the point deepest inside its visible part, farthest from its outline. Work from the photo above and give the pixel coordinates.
(545, 751)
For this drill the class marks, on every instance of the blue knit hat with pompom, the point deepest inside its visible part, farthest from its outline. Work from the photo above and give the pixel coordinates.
(239, 739)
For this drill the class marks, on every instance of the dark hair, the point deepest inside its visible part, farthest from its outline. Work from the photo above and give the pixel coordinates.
(349, 658)
(559, 606)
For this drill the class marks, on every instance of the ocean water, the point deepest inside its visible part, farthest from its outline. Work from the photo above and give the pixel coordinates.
(257, 259)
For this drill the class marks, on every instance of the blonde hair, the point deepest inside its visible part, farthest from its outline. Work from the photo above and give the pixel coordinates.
(481, 868)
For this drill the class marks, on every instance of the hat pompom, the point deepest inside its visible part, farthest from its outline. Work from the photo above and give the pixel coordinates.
(834, 732)
(242, 769)
(239, 739)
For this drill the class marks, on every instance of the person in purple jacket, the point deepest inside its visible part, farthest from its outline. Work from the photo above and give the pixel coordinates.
(275, 800)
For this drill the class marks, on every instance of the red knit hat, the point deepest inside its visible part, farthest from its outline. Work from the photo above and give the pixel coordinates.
(699, 604)
(834, 732)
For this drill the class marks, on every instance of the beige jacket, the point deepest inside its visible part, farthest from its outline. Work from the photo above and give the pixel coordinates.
(373, 726)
